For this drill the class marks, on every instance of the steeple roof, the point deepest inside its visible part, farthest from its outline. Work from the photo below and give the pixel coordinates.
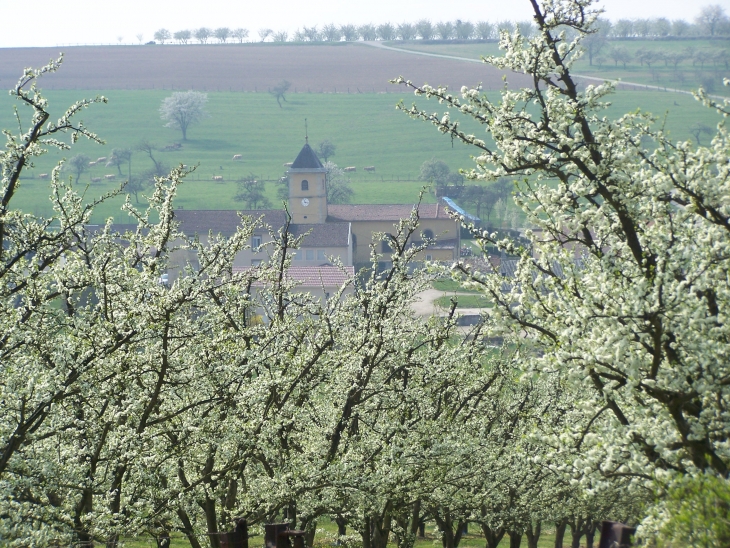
(307, 159)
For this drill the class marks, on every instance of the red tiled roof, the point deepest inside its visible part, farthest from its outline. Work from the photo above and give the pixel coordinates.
(383, 212)
(315, 276)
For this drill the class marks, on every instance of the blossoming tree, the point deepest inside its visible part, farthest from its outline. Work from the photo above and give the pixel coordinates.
(623, 292)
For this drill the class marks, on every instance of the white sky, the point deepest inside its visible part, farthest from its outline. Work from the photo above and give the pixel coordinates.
(58, 22)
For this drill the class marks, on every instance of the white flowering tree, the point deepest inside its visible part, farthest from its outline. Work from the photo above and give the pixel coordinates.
(623, 291)
(131, 406)
(182, 109)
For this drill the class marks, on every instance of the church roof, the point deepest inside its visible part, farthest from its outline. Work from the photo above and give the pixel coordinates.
(323, 235)
(307, 159)
(225, 222)
(382, 212)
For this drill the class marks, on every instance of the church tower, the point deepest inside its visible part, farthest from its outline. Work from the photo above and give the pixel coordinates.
(307, 188)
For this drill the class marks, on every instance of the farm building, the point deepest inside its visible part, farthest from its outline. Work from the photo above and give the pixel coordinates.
(342, 231)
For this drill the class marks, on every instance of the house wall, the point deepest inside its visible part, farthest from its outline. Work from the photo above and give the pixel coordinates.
(248, 257)
(446, 229)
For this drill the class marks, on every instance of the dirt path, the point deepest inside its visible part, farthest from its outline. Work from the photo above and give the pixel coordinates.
(426, 303)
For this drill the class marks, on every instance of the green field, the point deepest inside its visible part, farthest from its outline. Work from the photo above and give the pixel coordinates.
(464, 301)
(686, 76)
(366, 128)
(451, 286)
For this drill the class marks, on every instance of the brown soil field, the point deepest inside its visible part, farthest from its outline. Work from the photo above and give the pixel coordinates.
(342, 68)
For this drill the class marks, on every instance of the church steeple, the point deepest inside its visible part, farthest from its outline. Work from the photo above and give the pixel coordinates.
(307, 159)
(307, 188)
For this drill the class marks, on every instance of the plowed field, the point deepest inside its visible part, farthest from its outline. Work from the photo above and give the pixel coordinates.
(345, 68)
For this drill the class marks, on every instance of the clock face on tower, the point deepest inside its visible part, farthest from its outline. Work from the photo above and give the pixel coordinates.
(305, 202)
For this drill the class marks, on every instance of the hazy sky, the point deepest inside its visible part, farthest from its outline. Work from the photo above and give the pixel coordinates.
(59, 22)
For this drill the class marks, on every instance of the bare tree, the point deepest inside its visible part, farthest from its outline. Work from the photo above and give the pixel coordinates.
(482, 198)
(526, 28)
(149, 149)
(240, 35)
(680, 27)
(252, 193)
(623, 28)
(136, 184)
(79, 164)
(595, 41)
(140, 37)
(202, 34)
(222, 34)
(711, 18)
(326, 149)
(264, 34)
(331, 33)
(699, 129)
(279, 90)
(661, 26)
(484, 30)
(281, 36)
(339, 189)
(162, 35)
(182, 36)
(311, 34)
(386, 32)
(464, 29)
(445, 30)
(425, 29)
(120, 156)
(407, 31)
(620, 55)
(508, 26)
(368, 32)
(349, 32)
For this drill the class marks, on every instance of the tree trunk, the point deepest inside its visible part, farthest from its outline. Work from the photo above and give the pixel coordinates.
(290, 515)
(163, 540)
(416, 518)
(310, 530)
(515, 539)
(493, 536)
(533, 534)
(407, 520)
(590, 533)
(366, 533)
(341, 526)
(380, 527)
(576, 531)
(212, 522)
(451, 532)
(188, 529)
(560, 532)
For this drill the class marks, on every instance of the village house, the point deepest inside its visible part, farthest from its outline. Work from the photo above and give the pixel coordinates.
(330, 230)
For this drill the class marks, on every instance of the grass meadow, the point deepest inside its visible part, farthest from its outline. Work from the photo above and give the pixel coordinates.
(327, 531)
(366, 128)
